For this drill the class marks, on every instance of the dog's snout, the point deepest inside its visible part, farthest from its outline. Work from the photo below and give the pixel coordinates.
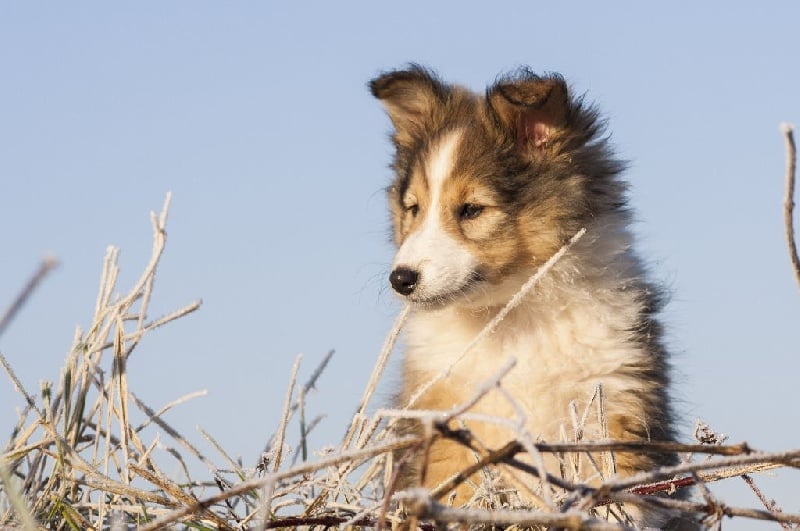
(404, 280)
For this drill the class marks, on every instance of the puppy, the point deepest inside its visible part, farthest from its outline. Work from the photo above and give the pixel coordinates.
(487, 188)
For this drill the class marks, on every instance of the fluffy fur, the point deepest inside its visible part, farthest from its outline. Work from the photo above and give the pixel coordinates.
(486, 189)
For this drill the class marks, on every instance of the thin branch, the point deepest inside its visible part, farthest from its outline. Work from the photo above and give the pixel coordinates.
(705, 508)
(18, 385)
(790, 458)
(422, 505)
(377, 371)
(277, 448)
(768, 504)
(48, 264)
(503, 455)
(326, 521)
(737, 460)
(788, 199)
(653, 447)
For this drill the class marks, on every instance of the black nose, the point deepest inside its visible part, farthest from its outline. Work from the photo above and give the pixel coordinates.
(404, 280)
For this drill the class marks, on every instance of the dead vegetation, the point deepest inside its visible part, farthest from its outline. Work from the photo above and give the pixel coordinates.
(77, 460)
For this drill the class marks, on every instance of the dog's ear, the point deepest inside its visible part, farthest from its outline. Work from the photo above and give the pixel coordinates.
(411, 98)
(530, 108)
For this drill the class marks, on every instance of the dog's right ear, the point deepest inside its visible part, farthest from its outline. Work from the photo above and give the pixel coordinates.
(531, 108)
(411, 98)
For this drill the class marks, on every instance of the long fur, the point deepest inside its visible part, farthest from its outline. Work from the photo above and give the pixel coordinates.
(487, 187)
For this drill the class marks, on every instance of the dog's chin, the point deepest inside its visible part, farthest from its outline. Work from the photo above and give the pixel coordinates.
(435, 302)
(461, 296)
(477, 294)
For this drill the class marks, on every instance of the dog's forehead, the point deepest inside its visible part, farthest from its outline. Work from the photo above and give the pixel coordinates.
(441, 158)
(456, 159)
(433, 161)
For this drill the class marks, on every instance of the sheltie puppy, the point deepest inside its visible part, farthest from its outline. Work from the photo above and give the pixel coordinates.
(487, 188)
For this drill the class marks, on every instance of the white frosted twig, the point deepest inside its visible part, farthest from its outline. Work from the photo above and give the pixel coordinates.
(287, 404)
(18, 385)
(159, 224)
(305, 468)
(178, 401)
(159, 242)
(788, 199)
(107, 281)
(525, 438)
(122, 383)
(491, 325)
(377, 371)
(791, 458)
(161, 321)
(481, 391)
(172, 432)
(218, 447)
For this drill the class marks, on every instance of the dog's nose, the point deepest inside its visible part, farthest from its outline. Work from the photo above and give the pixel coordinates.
(404, 280)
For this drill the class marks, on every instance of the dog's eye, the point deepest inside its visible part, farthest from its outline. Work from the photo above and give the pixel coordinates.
(470, 211)
(413, 209)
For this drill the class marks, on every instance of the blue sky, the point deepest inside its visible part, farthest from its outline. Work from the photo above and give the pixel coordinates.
(256, 116)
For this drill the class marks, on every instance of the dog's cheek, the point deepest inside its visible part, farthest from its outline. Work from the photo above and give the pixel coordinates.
(399, 228)
(496, 245)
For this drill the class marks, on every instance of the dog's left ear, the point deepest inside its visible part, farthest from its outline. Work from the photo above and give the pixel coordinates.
(532, 109)
(411, 98)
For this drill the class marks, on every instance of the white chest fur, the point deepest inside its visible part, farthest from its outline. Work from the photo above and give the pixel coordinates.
(565, 342)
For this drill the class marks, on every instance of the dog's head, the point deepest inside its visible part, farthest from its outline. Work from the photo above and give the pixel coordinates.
(487, 187)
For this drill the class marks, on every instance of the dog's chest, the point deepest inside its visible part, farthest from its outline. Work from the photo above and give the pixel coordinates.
(560, 356)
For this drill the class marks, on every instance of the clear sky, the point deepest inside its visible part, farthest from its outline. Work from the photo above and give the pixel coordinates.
(256, 116)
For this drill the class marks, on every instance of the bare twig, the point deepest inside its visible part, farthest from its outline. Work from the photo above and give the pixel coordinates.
(652, 447)
(790, 458)
(768, 504)
(705, 508)
(18, 384)
(277, 449)
(377, 371)
(47, 265)
(788, 199)
(423, 505)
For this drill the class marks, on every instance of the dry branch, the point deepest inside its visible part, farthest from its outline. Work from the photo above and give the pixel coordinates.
(423, 506)
(768, 504)
(47, 265)
(788, 200)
